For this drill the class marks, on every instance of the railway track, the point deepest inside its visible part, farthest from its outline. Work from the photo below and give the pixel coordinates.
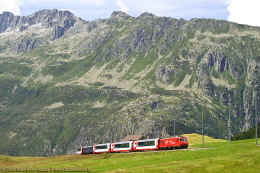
(155, 151)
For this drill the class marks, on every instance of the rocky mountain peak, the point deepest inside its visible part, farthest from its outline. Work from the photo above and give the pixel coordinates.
(53, 18)
(146, 15)
(47, 18)
(5, 19)
(120, 14)
(57, 22)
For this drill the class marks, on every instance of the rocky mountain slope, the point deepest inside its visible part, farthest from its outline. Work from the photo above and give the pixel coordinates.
(66, 82)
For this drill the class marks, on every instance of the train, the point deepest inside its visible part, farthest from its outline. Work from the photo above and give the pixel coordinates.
(171, 143)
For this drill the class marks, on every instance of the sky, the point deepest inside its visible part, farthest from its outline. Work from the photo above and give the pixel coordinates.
(239, 11)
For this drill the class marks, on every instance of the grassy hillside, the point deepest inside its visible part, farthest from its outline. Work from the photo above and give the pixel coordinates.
(238, 157)
(195, 139)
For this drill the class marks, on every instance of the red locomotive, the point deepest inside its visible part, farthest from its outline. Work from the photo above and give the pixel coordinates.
(173, 143)
(138, 145)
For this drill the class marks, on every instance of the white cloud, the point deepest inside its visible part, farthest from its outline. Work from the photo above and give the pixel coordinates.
(244, 12)
(122, 6)
(179, 8)
(79, 2)
(11, 6)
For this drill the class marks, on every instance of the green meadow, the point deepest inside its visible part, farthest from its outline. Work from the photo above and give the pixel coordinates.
(217, 157)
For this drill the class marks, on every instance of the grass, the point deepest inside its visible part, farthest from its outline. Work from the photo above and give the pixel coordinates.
(240, 156)
(195, 139)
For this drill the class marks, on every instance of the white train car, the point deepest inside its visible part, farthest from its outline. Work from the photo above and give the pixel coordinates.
(102, 148)
(126, 146)
(147, 144)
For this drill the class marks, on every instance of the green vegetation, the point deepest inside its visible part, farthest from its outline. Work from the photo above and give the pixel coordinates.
(141, 63)
(179, 77)
(65, 71)
(208, 25)
(214, 73)
(249, 134)
(228, 77)
(15, 69)
(240, 156)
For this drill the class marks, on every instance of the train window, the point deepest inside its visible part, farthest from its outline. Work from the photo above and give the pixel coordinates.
(146, 143)
(124, 145)
(100, 147)
(182, 139)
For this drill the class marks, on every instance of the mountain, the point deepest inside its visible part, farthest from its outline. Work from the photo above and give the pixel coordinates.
(66, 82)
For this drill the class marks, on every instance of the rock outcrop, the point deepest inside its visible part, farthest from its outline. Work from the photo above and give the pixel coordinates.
(47, 18)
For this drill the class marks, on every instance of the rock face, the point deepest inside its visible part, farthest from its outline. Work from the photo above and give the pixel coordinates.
(6, 19)
(120, 15)
(121, 76)
(25, 45)
(57, 32)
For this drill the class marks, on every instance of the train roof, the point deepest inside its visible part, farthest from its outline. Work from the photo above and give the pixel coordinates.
(121, 142)
(87, 146)
(103, 144)
(148, 140)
